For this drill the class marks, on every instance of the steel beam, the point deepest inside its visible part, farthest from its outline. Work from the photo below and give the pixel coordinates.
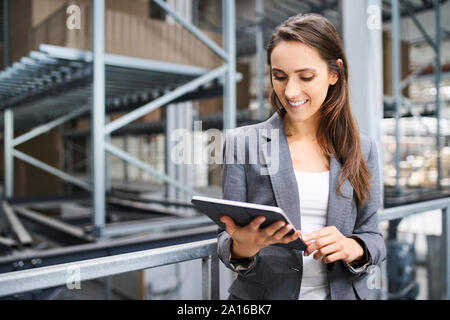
(98, 118)
(437, 82)
(43, 166)
(148, 168)
(115, 60)
(22, 234)
(409, 7)
(194, 30)
(260, 62)
(49, 126)
(53, 223)
(6, 42)
(53, 276)
(8, 152)
(396, 91)
(145, 109)
(229, 36)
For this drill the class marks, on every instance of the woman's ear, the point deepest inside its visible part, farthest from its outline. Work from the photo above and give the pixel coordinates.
(334, 76)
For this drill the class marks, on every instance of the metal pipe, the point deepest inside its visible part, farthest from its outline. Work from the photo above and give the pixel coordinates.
(6, 42)
(59, 275)
(260, 61)
(229, 110)
(98, 118)
(8, 118)
(445, 243)
(410, 209)
(396, 92)
(437, 81)
(54, 223)
(16, 225)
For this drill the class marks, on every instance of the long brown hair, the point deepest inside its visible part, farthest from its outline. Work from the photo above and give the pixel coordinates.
(338, 133)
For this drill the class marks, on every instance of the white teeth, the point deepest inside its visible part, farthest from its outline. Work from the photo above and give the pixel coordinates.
(298, 103)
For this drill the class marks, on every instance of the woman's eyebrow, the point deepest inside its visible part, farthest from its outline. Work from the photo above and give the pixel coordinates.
(299, 70)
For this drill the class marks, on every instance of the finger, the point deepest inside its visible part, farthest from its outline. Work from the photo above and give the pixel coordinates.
(256, 223)
(339, 255)
(324, 251)
(277, 236)
(291, 237)
(230, 226)
(274, 227)
(319, 233)
(319, 243)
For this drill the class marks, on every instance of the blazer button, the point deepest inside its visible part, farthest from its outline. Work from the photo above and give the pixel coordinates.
(295, 269)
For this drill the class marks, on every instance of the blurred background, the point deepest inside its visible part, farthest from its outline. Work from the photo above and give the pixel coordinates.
(91, 92)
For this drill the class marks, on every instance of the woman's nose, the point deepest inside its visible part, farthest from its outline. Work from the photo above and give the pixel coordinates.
(293, 91)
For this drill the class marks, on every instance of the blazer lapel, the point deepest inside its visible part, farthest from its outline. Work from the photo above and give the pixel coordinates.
(284, 183)
(339, 207)
(282, 177)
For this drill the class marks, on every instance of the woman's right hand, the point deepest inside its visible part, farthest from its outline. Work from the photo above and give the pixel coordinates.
(250, 239)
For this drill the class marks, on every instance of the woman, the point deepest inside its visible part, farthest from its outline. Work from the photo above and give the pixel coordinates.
(327, 178)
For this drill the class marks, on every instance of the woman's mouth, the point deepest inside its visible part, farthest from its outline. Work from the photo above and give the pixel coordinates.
(297, 104)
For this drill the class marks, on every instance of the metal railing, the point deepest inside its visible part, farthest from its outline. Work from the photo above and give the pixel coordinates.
(67, 274)
(442, 204)
(58, 275)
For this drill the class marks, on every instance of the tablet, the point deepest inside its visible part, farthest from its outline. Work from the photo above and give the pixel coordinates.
(243, 213)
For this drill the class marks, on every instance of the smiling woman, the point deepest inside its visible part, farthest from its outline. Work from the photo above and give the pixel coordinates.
(328, 182)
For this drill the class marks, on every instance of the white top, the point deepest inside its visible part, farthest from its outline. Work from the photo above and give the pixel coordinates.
(313, 190)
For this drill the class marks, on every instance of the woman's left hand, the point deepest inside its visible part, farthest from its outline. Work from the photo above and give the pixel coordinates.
(332, 245)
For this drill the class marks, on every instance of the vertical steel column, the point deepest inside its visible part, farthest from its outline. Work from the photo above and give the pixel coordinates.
(260, 61)
(445, 244)
(206, 278)
(6, 44)
(362, 34)
(229, 36)
(361, 30)
(170, 169)
(8, 153)
(98, 117)
(107, 167)
(396, 89)
(437, 80)
(8, 113)
(126, 175)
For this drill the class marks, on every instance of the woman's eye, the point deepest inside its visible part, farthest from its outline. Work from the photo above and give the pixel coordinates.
(307, 79)
(279, 78)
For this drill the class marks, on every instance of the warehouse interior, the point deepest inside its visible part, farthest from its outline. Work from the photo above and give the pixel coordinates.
(92, 91)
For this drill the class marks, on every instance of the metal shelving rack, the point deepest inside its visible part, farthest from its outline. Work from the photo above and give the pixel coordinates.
(42, 89)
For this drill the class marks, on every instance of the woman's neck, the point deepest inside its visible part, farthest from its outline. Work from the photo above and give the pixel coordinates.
(300, 130)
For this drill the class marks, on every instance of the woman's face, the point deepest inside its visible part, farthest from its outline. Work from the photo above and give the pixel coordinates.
(300, 79)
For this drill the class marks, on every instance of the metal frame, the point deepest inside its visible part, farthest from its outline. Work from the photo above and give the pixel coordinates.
(398, 84)
(53, 276)
(56, 275)
(101, 130)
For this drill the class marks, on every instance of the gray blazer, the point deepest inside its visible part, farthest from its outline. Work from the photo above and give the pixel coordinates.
(276, 272)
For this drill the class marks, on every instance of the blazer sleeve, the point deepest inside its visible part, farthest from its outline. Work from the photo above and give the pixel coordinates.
(234, 187)
(366, 227)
